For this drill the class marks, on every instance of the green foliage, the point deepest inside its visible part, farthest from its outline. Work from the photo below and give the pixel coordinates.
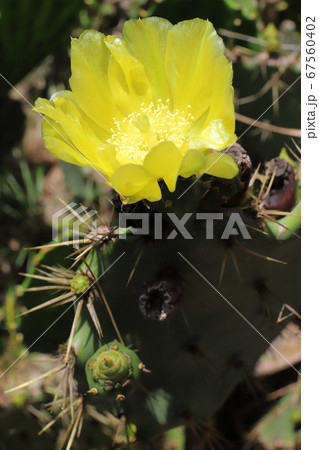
(281, 425)
(50, 22)
(21, 191)
(248, 8)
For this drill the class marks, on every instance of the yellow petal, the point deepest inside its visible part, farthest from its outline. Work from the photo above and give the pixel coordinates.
(222, 98)
(150, 191)
(65, 101)
(220, 165)
(89, 81)
(215, 136)
(163, 161)
(192, 49)
(193, 161)
(64, 122)
(127, 78)
(106, 158)
(58, 145)
(129, 179)
(146, 41)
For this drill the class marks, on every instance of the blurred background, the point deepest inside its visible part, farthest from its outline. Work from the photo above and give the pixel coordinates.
(262, 39)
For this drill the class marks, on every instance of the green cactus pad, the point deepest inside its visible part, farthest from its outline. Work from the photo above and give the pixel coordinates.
(204, 350)
(113, 366)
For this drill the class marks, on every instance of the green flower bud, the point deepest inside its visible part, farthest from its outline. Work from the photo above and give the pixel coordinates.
(113, 366)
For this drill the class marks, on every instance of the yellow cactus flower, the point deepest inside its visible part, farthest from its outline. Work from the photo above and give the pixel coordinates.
(154, 105)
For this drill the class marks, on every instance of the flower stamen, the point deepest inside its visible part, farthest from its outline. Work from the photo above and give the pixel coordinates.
(142, 130)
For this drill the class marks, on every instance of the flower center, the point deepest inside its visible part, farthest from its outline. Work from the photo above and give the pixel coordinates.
(142, 130)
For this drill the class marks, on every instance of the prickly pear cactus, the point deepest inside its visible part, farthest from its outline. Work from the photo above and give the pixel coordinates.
(199, 311)
(179, 293)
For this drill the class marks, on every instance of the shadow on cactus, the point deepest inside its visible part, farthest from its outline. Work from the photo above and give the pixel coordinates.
(197, 293)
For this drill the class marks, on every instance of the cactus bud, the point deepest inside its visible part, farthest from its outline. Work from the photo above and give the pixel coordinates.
(113, 366)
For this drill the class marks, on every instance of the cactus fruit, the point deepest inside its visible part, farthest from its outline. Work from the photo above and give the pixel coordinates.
(196, 293)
